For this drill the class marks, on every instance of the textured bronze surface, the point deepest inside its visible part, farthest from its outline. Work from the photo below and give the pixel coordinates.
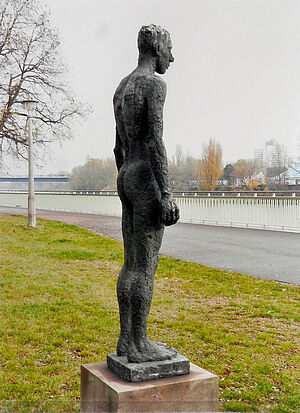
(144, 190)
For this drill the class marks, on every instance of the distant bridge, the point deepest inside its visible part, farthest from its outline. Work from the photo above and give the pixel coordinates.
(50, 178)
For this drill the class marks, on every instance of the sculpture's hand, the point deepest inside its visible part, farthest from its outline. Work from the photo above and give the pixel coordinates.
(169, 210)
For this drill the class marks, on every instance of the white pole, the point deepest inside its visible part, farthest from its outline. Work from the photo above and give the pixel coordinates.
(31, 205)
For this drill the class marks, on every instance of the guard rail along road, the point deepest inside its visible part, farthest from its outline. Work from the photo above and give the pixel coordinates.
(261, 210)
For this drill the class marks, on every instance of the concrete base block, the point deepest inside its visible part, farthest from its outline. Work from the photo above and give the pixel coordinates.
(103, 391)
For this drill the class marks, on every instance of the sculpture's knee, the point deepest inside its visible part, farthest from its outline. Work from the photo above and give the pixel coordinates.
(124, 281)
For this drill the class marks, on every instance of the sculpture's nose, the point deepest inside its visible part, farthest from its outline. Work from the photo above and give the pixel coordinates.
(171, 59)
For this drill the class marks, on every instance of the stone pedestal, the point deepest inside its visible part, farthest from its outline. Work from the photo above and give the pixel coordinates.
(104, 391)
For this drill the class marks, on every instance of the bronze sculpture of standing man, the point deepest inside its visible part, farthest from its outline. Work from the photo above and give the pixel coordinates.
(143, 187)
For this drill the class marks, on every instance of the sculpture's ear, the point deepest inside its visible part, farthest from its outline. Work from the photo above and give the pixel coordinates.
(156, 49)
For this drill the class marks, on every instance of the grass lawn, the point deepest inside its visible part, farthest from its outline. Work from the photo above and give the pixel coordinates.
(59, 310)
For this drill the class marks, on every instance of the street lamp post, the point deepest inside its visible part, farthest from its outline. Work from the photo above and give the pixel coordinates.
(30, 106)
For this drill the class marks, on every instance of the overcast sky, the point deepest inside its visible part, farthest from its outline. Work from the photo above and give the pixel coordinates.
(236, 75)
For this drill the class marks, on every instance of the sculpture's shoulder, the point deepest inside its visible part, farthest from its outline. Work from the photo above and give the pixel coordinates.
(140, 83)
(131, 84)
(157, 82)
(147, 82)
(157, 89)
(120, 88)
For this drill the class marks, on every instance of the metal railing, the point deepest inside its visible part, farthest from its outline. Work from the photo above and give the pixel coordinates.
(274, 210)
(254, 194)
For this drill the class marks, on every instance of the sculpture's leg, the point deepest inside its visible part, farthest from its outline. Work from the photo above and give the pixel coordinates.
(124, 280)
(148, 233)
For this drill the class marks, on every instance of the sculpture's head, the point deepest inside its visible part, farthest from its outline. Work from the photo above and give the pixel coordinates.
(156, 42)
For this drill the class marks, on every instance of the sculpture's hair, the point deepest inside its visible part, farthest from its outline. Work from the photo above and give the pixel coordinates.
(150, 36)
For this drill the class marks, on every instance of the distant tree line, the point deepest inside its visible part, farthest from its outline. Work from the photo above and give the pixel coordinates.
(192, 174)
(187, 173)
(95, 174)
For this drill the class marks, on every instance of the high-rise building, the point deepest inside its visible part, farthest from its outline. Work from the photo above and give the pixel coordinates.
(266, 153)
(259, 155)
(270, 150)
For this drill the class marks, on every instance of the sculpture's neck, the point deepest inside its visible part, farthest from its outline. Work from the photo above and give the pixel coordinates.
(147, 63)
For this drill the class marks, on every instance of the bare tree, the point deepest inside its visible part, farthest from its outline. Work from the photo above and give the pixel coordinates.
(179, 158)
(210, 165)
(191, 168)
(182, 171)
(31, 68)
(280, 163)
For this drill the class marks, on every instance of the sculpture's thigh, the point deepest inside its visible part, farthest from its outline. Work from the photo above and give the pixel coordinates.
(142, 190)
(148, 232)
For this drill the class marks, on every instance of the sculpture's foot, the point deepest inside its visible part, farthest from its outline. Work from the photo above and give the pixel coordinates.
(122, 347)
(149, 351)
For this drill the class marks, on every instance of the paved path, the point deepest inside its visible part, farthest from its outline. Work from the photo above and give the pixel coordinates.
(269, 254)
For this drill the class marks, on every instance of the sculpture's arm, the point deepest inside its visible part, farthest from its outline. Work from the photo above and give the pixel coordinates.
(119, 151)
(155, 101)
(156, 96)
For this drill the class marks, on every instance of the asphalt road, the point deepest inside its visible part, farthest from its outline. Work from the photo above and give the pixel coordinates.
(269, 254)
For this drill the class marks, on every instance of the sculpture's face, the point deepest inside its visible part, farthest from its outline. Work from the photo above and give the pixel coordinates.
(165, 56)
